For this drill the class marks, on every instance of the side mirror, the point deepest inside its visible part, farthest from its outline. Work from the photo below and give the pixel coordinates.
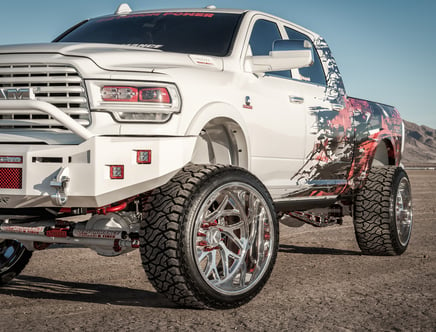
(286, 55)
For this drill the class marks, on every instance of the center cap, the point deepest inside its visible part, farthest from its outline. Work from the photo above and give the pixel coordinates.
(213, 237)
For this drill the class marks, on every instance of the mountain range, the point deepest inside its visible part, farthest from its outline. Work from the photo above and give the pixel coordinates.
(420, 147)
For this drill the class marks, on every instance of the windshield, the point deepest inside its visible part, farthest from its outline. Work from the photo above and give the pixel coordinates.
(190, 32)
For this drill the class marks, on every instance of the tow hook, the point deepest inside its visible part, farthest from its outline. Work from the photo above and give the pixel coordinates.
(60, 184)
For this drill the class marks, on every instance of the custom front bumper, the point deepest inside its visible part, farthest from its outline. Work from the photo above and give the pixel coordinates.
(79, 175)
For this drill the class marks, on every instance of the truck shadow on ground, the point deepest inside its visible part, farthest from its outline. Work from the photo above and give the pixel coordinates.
(44, 288)
(32, 287)
(287, 248)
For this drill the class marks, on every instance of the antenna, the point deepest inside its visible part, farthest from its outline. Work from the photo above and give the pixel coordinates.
(123, 9)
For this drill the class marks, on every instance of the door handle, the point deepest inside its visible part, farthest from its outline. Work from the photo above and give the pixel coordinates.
(296, 100)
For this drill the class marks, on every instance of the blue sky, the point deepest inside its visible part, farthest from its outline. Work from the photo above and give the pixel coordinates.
(385, 49)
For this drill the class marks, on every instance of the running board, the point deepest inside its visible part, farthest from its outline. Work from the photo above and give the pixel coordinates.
(303, 204)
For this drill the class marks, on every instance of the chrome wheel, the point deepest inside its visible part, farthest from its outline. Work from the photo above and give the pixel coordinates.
(403, 211)
(233, 236)
(209, 237)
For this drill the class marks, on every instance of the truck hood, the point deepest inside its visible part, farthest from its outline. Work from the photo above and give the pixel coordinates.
(119, 57)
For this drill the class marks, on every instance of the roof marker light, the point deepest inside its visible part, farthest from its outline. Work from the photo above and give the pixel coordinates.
(123, 9)
(211, 7)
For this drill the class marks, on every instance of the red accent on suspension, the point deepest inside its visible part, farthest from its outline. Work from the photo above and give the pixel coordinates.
(210, 249)
(117, 247)
(135, 243)
(105, 209)
(207, 225)
(117, 208)
(57, 232)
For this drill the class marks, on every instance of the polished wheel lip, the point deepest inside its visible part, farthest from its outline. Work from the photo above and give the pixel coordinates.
(403, 211)
(233, 265)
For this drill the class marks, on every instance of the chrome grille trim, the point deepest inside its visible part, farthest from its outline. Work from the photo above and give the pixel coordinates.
(57, 84)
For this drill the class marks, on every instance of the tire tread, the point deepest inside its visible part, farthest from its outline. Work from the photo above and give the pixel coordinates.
(373, 215)
(161, 247)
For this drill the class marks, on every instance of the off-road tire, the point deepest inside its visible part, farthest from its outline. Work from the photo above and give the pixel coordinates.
(383, 212)
(172, 239)
(13, 259)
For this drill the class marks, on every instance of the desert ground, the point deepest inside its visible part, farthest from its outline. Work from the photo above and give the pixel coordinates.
(321, 282)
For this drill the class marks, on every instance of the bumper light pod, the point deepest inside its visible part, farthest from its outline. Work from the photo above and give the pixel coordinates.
(143, 156)
(117, 172)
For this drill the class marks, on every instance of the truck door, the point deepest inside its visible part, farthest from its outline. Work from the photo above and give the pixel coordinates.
(275, 114)
(329, 128)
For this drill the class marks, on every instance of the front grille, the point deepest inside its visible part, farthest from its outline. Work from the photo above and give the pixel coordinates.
(59, 85)
(11, 178)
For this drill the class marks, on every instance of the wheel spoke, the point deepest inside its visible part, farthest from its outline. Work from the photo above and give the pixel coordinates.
(202, 255)
(219, 211)
(235, 278)
(242, 274)
(223, 211)
(228, 253)
(225, 253)
(230, 263)
(256, 222)
(261, 238)
(229, 232)
(238, 204)
(211, 267)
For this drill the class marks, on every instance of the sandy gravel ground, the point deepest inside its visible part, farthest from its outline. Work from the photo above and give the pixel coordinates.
(321, 282)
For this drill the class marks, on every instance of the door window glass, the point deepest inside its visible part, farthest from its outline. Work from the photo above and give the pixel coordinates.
(261, 42)
(314, 73)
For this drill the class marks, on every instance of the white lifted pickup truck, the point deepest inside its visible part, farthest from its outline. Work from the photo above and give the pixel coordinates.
(189, 134)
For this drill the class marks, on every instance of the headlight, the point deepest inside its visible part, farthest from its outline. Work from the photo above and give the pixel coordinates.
(135, 101)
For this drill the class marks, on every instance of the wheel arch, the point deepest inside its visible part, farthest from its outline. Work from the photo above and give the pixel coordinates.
(222, 136)
(384, 154)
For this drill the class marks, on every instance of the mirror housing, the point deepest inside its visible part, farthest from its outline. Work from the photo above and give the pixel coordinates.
(286, 55)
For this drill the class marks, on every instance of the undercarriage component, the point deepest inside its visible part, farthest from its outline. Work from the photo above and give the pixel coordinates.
(109, 235)
(333, 216)
(123, 226)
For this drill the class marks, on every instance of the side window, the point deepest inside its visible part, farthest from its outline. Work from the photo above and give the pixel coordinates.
(261, 42)
(314, 73)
